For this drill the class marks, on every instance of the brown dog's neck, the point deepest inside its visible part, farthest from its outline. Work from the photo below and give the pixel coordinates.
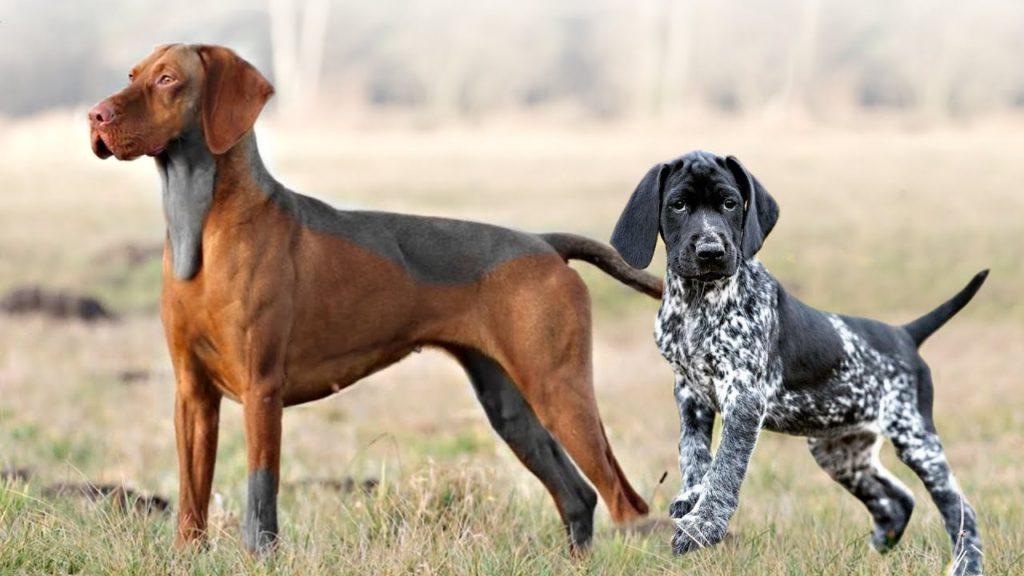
(194, 182)
(242, 177)
(187, 174)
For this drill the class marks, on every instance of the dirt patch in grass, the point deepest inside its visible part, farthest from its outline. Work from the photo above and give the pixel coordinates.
(56, 304)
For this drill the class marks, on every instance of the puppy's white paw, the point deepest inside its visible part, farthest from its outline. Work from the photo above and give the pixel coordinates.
(694, 531)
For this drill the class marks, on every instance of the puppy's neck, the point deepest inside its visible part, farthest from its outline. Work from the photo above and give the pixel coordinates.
(692, 293)
(713, 299)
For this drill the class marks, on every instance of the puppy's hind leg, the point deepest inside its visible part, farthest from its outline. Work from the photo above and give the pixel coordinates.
(516, 423)
(918, 446)
(852, 461)
(922, 452)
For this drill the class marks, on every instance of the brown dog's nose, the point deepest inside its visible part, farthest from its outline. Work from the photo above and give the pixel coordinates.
(102, 113)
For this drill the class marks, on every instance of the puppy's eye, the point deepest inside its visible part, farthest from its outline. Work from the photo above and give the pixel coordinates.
(165, 80)
(730, 204)
(679, 205)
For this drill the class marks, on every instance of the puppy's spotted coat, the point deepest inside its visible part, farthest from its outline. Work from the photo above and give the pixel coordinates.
(742, 347)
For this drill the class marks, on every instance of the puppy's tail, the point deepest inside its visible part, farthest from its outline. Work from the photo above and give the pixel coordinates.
(575, 247)
(926, 325)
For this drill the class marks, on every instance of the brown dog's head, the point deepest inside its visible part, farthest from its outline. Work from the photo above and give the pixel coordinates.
(175, 89)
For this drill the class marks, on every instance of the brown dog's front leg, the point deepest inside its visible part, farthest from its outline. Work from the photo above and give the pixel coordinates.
(196, 420)
(263, 407)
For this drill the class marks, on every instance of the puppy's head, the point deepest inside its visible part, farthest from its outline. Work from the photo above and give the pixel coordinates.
(711, 213)
(174, 90)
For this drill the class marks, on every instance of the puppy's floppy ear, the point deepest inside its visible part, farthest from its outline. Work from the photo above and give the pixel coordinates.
(233, 97)
(762, 210)
(636, 233)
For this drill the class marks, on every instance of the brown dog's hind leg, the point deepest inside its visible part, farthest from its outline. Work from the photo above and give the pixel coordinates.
(514, 420)
(548, 357)
(566, 407)
(196, 421)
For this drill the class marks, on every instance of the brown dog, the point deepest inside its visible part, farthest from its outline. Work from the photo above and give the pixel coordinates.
(272, 298)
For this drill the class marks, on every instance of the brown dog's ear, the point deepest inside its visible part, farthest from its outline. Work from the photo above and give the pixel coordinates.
(233, 97)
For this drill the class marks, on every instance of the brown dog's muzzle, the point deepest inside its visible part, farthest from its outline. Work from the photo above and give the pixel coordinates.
(100, 115)
(112, 134)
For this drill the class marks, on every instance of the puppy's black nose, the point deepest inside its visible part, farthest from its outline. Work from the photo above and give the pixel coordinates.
(708, 251)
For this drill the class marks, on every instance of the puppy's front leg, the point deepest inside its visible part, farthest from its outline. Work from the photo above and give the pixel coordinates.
(695, 424)
(706, 524)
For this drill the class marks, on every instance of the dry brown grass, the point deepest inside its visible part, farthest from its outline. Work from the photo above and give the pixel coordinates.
(885, 224)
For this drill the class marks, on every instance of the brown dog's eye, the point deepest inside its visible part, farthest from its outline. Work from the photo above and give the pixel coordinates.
(730, 204)
(165, 80)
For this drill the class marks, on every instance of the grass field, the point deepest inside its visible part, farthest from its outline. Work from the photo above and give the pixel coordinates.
(880, 223)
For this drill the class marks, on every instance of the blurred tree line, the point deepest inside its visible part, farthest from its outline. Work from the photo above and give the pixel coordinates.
(604, 58)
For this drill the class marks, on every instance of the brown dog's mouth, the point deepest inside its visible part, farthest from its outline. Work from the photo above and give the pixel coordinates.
(99, 147)
(105, 146)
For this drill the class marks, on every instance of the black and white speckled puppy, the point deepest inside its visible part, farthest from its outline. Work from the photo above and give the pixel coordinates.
(743, 347)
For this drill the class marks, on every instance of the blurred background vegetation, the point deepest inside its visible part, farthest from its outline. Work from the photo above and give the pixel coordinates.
(603, 59)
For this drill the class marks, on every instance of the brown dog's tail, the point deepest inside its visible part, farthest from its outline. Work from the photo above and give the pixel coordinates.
(576, 247)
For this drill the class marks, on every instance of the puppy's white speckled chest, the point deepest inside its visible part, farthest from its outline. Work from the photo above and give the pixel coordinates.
(690, 348)
(716, 338)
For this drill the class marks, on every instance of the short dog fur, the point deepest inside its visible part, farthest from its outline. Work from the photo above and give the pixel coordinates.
(742, 347)
(272, 298)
